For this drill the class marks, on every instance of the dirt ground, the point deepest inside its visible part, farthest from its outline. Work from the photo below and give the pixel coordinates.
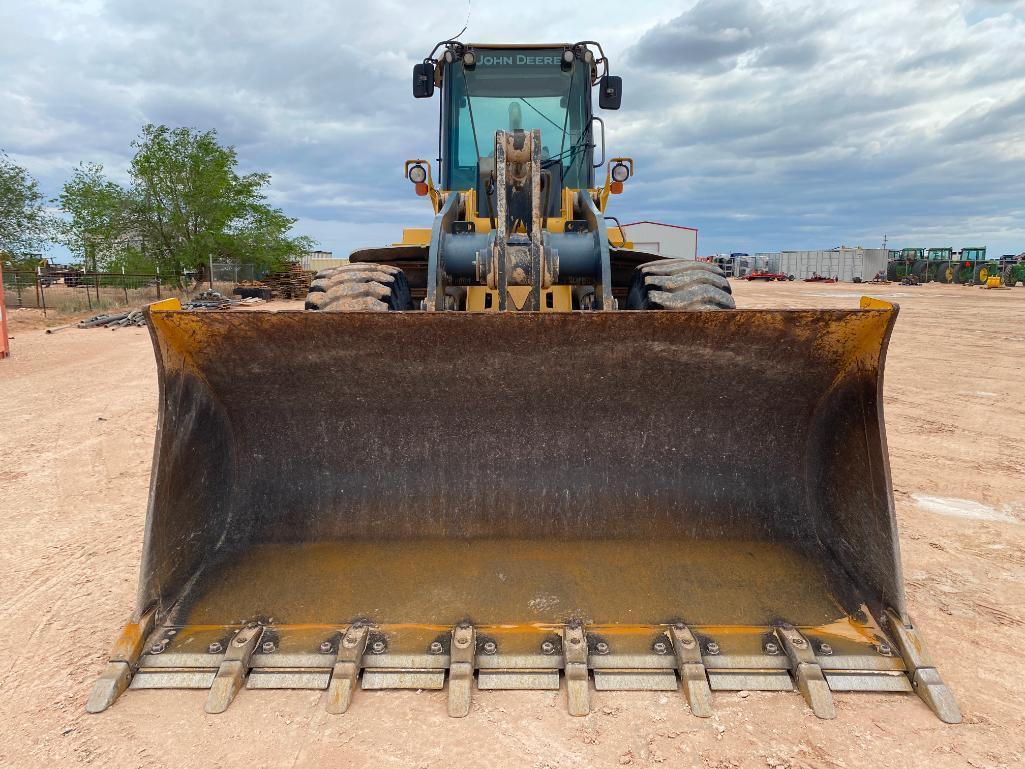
(77, 416)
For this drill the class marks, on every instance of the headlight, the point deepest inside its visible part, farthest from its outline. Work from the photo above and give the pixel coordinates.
(469, 60)
(620, 172)
(567, 59)
(417, 174)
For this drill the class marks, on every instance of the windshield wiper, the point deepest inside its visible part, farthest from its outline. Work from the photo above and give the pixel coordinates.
(541, 113)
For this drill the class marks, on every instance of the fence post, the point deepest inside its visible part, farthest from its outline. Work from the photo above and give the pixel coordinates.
(211, 272)
(124, 283)
(96, 280)
(88, 299)
(5, 347)
(40, 292)
(158, 281)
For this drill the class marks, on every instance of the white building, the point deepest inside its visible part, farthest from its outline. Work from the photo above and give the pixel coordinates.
(663, 239)
(321, 260)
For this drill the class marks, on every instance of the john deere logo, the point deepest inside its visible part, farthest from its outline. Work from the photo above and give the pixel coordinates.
(520, 59)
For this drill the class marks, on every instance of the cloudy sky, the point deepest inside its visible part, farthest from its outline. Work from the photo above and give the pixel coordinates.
(765, 124)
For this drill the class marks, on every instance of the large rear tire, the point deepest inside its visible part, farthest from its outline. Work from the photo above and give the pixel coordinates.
(360, 287)
(676, 284)
(1010, 277)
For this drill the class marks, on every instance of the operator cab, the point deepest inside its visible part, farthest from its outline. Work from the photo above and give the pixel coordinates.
(487, 89)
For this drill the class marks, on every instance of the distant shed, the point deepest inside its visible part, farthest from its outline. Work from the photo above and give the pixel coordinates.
(663, 239)
(321, 260)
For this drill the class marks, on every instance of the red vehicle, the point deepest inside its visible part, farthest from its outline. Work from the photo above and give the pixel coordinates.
(763, 275)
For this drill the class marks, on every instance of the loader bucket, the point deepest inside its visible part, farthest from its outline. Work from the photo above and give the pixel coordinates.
(648, 500)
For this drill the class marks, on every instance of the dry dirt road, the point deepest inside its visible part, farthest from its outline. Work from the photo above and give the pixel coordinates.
(77, 415)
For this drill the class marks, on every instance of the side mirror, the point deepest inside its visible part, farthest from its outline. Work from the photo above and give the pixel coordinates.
(610, 91)
(423, 80)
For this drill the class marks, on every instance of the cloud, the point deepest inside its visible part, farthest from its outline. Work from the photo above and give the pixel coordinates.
(782, 124)
(720, 35)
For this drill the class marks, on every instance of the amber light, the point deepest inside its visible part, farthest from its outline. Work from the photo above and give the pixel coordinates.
(421, 188)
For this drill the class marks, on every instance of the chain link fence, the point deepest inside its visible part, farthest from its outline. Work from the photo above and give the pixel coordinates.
(74, 291)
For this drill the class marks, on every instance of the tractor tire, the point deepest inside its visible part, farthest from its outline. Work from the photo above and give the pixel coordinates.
(980, 273)
(360, 287)
(941, 273)
(891, 271)
(1010, 278)
(675, 284)
(857, 279)
(920, 269)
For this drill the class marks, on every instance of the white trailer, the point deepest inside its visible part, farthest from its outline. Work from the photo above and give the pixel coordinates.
(844, 264)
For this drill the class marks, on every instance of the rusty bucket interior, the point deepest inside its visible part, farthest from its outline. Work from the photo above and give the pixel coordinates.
(720, 468)
(520, 474)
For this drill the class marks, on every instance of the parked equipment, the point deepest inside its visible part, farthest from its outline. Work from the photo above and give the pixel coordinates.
(935, 266)
(904, 262)
(1013, 271)
(971, 266)
(766, 275)
(518, 484)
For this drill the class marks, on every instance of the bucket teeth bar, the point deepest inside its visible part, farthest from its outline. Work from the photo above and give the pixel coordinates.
(700, 659)
(807, 672)
(231, 673)
(124, 658)
(925, 679)
(348, 662)
(693, 677)
(460, 673)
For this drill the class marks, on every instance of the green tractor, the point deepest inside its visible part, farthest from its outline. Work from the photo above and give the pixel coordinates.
(1013, 270)
(972, 267)
(903, 265)
(936, 266)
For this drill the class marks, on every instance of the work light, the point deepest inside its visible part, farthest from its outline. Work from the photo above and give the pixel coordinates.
(417, 174)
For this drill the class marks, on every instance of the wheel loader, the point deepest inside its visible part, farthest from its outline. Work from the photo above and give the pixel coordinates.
(500, 454)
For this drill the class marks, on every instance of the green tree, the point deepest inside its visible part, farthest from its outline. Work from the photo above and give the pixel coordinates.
(194, 204)
(102, 221)
(25, 226)
(186, 203)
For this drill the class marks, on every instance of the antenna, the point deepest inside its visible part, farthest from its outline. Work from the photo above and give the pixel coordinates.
(465, 24)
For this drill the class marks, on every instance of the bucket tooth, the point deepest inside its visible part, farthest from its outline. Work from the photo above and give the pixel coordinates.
(925, 679)
(233, 668)
(807, 672)
(574, 650)
(692, 671)
(121, 665)
(346, 670)
(460, 674)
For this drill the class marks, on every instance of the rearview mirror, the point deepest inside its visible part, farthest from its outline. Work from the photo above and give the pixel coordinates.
(610, 91)
(423, 80)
